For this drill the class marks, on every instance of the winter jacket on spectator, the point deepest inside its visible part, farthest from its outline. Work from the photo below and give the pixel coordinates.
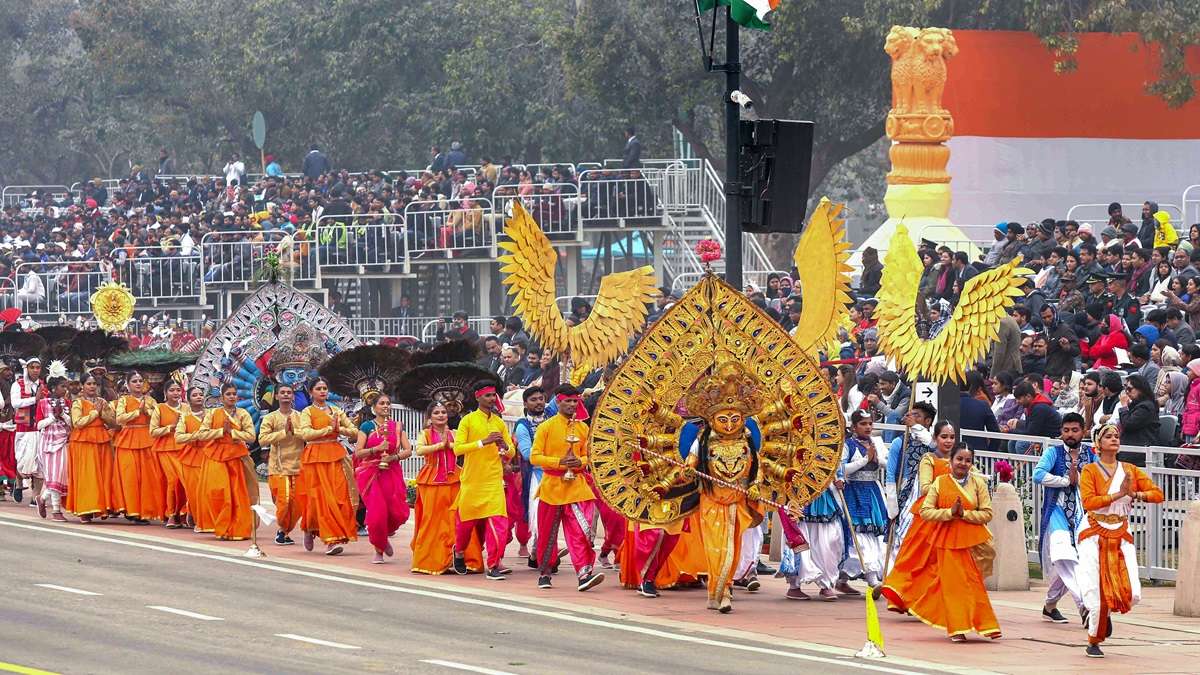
(1006, 354)
(1191, 409)
(977, 416)
(1139, 423)
(1032, 363)
(1041, 419)
(1060, 359)
(315, 164)
(1101, 353)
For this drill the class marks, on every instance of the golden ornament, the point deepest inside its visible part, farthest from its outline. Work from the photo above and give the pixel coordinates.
(112, 305)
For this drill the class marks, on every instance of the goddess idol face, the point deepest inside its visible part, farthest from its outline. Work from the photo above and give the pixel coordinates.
(728, 422)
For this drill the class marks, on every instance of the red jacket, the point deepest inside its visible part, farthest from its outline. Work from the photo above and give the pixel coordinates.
(1102, 353)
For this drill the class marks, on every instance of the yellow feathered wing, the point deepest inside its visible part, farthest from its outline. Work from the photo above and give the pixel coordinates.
(618, 312)
(969, 333)
(821, 263)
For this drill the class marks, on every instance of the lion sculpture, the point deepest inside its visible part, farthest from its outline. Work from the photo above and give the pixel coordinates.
(919, 68)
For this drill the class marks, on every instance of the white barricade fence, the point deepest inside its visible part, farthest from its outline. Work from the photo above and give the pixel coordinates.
(615, 196)
(1155, 527)
(432, 328)
(411, 421)
(1097, 215)
(1190, 203)
(13, 195)
(450, 228)
(241, 257)
(155, 280)
(374, 328)
(555, 207)
(370, 243)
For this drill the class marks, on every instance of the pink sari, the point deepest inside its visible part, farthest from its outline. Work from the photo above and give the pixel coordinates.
(383, 491)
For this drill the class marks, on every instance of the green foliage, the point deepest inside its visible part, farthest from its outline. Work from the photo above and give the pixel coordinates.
(106, 83)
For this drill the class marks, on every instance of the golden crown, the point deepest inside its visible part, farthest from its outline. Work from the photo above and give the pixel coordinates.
(730, 387)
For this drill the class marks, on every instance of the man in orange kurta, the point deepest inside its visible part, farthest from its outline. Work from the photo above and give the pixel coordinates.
(228, 486)
(483, 441)
(565, 498)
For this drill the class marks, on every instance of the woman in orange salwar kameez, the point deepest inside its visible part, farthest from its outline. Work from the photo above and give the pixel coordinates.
(138, 484)
(191, 458)
(228, 484)
(908, 578)
(164, 417)
(437, 488)
(323, 490)
(1107, 569)
(955, 600)
(90, 455)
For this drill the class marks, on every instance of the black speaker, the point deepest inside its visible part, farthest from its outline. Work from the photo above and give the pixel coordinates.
(774, 167)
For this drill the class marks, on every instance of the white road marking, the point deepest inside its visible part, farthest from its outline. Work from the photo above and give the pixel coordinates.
(315, 641)
(847, 662)
(67, 589)
(184, 612)
(467, 667)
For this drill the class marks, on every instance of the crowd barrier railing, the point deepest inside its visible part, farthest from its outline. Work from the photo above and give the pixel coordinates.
(12, 195)
(67, 287)
(451, 229)
(622, 197)
(555, 207)
(1156, 528)
(360, 245)
(375, 328)
(1097, 215)
(479, 324)
(233, 258)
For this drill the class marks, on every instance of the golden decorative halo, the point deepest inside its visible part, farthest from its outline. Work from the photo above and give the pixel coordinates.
(112, 305)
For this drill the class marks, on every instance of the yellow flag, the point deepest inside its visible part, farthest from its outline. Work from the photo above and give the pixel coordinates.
(874, 632)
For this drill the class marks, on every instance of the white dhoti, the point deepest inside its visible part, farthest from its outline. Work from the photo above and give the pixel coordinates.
(819, 564)
(531, 513)
(1088, 574)
(752, 541)
(874, 548)
(1059, 568)
(25, 447)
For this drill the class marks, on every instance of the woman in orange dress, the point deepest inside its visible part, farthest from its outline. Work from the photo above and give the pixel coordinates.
(89, 455)
(164, 417)
(1107, 569)
(323, 490)
(228, 485)
(437, 488)
(907, 579)
(960, 507)
(191, 458)
(138, 484)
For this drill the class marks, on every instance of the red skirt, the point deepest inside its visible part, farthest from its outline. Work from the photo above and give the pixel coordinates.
(8, 457)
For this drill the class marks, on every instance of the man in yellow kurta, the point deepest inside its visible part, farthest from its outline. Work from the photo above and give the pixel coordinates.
(278, 432)
(483, 441)
(566, 499)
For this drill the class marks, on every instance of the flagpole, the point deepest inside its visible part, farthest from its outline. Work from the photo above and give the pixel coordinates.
(733, 221)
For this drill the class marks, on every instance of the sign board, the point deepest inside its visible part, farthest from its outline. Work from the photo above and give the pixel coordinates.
(258, 127)
(926, 392)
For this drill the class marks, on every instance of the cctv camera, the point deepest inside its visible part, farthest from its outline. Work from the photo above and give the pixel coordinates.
(742, 100)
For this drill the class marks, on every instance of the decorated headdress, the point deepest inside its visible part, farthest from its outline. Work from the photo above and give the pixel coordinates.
(54, 335)
(16, 347)
(93, 347)
(729, 387)
(356, 372)
(445, 383)
(57, 369)
(304, 348)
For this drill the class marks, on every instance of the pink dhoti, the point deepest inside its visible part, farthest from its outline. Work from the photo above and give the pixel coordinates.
(613, 521)
(652, 547)
(575, 521)
(384, 493)
(518, 524)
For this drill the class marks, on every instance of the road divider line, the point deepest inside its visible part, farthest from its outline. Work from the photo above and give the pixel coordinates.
(184, 612)
(845, 662)
(67, 589)
(23, 670)
(315, 641)
(465, 666)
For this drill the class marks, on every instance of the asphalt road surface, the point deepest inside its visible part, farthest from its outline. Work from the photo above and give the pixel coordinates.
(88, 602)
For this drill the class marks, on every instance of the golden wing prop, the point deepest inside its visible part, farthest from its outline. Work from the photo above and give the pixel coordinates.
(969, 333)
(801, 422)
(618, 313)
(821, 262)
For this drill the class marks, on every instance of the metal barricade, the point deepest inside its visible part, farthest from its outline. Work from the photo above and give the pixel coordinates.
(432, 328)
(412, 422)
(555, 207)
(622, 198)
(155, 281)
(1097, 215)
(12, 195)
(241, 257)
(358, 246)
(451, 229)
(379, 327)
(1190, 203)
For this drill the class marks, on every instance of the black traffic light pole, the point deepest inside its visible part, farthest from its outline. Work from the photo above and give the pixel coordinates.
(733, 216)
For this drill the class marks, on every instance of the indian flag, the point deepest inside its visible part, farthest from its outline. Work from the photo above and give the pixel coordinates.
(748, 13)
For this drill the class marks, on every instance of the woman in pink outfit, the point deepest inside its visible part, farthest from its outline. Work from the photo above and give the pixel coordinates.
(380, 477)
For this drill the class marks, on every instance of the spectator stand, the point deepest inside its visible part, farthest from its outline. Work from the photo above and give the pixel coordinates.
(156, 278)
(1097, 214)
(369, 245)
(1155, 527)
(438, 231)
(16, 195)
(433, 327)
(238, 260)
